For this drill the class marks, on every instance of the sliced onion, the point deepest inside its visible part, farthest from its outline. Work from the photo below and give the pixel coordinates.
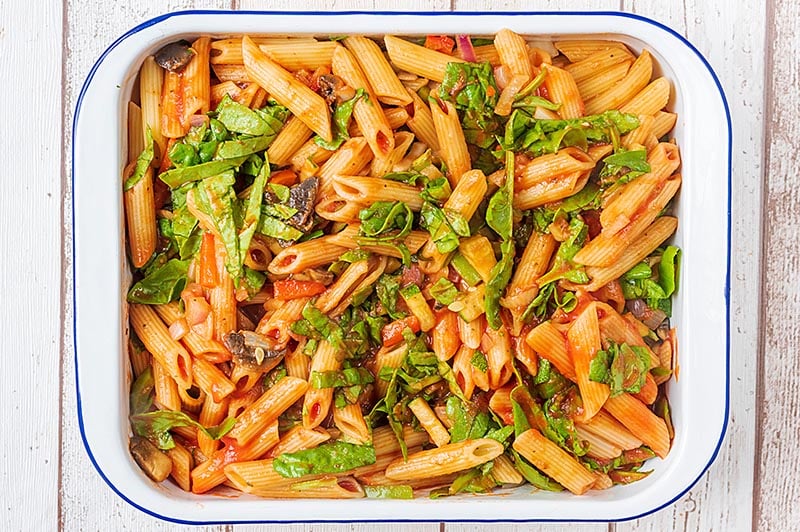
(502, 76)
(465, 49)
(179, 329)
(197, 309)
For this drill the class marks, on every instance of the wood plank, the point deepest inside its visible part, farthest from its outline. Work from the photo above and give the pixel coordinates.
(30, 35)
(86, 501)
(776, 483)
(722, 499)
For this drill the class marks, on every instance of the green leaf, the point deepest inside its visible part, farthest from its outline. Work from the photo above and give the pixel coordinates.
(389, 492)
(180, 176)
(532, 102)
(501, 434)
(335, 457)
(215, 196)
(386, 220)
(155, 426)
(253, 280)
(436, 190)
(163, 285)
(640, 271)
(341, 121)
(472, 89)
(444, 291)
(143, 162)
(668, 269)
(388, 289)
(325, 327)
(270, 226)
(626, 165)
(241, 119)
(340, 378)
(141, 397)
(436, 221)
(623, 367)
(252, 215)
(242, 148)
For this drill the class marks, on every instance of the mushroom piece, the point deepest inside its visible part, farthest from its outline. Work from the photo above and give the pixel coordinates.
(153, 462)
(302, 197)
(252, 351)
(175, 56)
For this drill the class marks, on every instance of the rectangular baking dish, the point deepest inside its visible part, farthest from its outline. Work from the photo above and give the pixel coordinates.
(699, 397)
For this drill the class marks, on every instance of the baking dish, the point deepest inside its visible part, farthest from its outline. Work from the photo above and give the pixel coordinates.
(699, 397)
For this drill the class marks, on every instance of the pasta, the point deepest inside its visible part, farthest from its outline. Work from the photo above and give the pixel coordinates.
(429, 270)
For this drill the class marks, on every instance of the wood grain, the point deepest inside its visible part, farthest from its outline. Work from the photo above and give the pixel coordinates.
(721, 499)
(30, 35)
(776, 480)
(87, 503)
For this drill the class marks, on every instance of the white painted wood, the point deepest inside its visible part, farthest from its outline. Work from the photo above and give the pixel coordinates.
(29, 286)
(87, 503)
(731, 36)
(776, 482)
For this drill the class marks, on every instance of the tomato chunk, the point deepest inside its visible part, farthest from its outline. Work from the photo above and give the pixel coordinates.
(292, 289)
(392, 333)
(440, 43)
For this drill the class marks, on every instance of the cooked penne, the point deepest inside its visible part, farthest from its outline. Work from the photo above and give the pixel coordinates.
(372, 256)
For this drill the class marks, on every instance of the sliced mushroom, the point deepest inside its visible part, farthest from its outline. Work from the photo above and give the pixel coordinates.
(302, 197)
(252, 351)
(153, 462)
(175, 56)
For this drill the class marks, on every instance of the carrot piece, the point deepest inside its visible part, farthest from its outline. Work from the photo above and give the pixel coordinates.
(207, 266)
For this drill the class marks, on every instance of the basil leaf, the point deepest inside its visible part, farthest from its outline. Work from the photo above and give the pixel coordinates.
(162, 285)
(143, 162)
(155, 426)
(335, 457)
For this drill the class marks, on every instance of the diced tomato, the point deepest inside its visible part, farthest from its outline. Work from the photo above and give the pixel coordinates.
(392, 333)
(207, 266)
(592, 220)
(440, 43)
(292, 289)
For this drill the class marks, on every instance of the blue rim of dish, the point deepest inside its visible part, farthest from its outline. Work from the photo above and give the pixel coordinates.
(633, 16)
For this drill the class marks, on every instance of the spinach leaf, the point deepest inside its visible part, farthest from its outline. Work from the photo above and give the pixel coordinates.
(155, 426)
(185, 230)
(271, 226)
(241, 119)
(253, 280)
(386, 220)
(625, 166)
(186, 174)
(532, 102)
(327, 328)
(215, 196)
(143, 162)
(588, 198)
(472, 89)
(623, 367)
(388, 289)
(335, 457)
(340, 378)
(499, 216)
(479, 361)
(436, 190)
(445, 227)
(341, 122)
(252, 215)
(163, 285)
(563, 267)
(467, 425)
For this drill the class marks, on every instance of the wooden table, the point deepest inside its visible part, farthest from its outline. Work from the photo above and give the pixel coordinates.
(47, 50)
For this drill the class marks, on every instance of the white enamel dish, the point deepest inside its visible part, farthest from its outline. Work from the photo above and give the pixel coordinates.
(699, 398)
